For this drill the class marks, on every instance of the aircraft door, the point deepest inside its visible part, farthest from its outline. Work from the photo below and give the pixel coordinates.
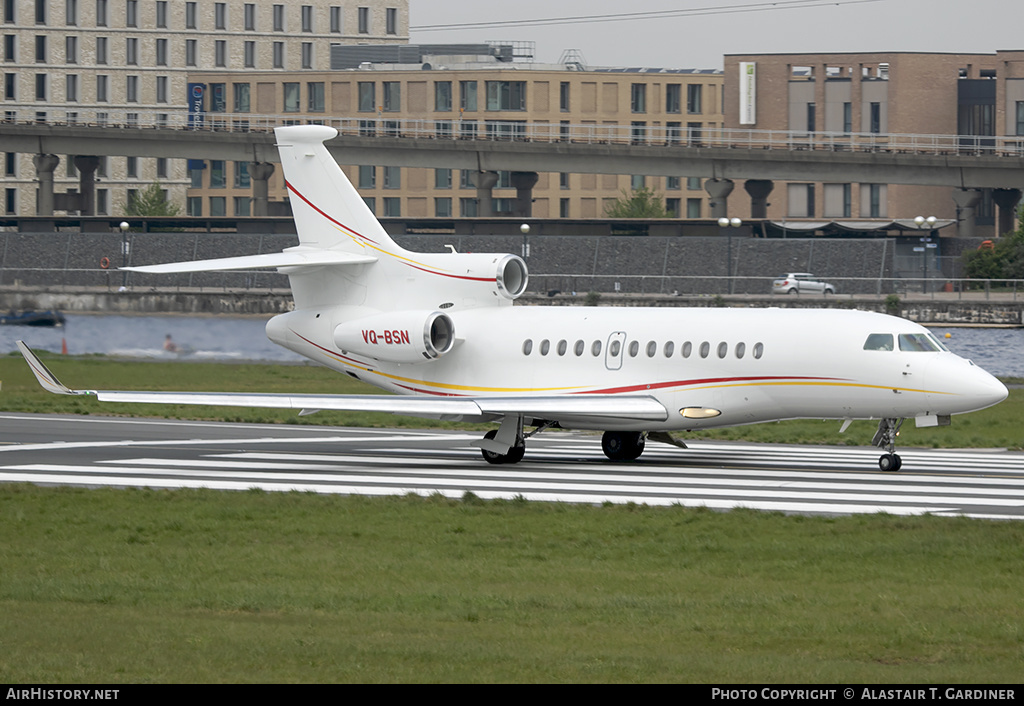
(613, 351)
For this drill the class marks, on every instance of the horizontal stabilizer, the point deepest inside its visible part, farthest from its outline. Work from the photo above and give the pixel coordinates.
(289, 258)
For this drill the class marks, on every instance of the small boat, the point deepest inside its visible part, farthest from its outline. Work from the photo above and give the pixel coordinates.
(32, 318)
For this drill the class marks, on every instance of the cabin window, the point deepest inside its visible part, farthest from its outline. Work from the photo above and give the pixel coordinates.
(705, 348)
(578, 350)
(917, 343)
(670, 348)
(562, 347)
(686, 349)
(723, 349)
(527, 346)
(652, 348)
(758, 350)
(613, 349)
(634, 348)
(878, 342)
(741, 348)
(595, 348)
(545, 346)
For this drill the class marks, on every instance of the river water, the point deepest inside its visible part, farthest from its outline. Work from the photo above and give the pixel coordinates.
(998, 350)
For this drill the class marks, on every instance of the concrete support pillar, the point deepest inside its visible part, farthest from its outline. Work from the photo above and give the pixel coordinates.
(259, 176)
(1006, 200)
(966, 200)
(86, 167)
(45, 164)
(484, 182)
(759, 190)
(719, 190)
(524, 183)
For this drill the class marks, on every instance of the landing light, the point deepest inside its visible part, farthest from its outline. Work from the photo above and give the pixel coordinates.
(699, 412)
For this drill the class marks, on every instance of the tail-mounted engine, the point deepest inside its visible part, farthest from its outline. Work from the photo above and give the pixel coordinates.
(398, 337)
(471, 274)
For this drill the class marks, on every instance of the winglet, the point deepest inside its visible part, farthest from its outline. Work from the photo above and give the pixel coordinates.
(47, 379)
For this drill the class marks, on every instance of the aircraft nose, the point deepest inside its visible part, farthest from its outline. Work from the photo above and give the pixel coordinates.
(979, 389)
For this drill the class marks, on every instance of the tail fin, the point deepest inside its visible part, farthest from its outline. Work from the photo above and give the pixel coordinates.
(328, 211)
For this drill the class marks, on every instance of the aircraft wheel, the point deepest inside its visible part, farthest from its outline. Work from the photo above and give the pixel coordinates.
(890, 462)
(623, 445)
(514, 455)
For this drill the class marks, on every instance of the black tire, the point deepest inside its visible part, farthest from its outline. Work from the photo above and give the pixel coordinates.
(623, 445)
(889, 463)
(514, 455)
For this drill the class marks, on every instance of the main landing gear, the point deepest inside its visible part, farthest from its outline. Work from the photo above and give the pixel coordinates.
(885, 438)
(623, 445)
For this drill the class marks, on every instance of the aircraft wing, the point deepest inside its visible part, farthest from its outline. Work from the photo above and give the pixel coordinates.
(296, 257)
(562, 407)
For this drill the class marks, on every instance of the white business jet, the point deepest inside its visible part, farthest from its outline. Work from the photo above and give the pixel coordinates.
(441, 331)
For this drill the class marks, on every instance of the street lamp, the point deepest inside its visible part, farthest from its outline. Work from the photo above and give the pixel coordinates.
(725, 223)
(124, 254)
(926, 244)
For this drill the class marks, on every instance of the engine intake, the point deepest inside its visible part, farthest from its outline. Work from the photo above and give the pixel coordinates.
(398, 337)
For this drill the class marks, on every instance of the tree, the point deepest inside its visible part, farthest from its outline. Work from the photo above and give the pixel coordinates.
(152, 201)
(642, 203)
(1003, 259)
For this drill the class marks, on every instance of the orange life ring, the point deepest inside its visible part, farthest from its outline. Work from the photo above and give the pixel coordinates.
(104, 262)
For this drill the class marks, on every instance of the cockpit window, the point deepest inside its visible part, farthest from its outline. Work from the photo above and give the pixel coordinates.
(918, 342)
(878, 342)
(940, 344)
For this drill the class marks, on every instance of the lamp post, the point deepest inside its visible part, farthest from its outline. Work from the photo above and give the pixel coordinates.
(124, 254)
(926, 244)
(727, 224)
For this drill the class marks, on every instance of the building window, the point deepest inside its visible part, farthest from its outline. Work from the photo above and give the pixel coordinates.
(190, 15)
(278, 18)
(315, 97)
(40, 87)
(392, 207)
(218, 177)
(875, 119)
(9, 48)
(638, 98)
(443, 207)
(291, 97)
(9, 94)
(242, 94)
(278, 55)
(161, 14)
(161, 167)
(307, 55)
(364, 20)
(10, 200)
(506, 95)
(693, 207)
(307, 18)
(468, 208)
(161, 52)
(220, 15)
(41, 12)
(194, 205)
(467, 95)
(392, 177)
(101, 50)
(101, 13)
(367, 177)
(1020, 117)
(249, 16)
(71, 50)
(71, 86)
(220, 52)
(218, 206)
(392, 96)
(242, 180)
(249, 55)
(367, 97)
(442, 96)
(161, 89)
(694, 98)
(131, 51)
(812, 123)
(41, 49)
(847, 117)
(673, 98)
(391, 21)
(102, 88)
(673, 183)
(335, 20)
(131, 13)
(132, 167)
(131, 89)
(190, 52)
(442, 178)
(71, 12)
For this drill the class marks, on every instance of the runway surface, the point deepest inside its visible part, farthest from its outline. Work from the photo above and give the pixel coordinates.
(566, 467)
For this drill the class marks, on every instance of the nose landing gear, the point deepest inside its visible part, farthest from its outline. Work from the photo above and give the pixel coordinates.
(885, 438)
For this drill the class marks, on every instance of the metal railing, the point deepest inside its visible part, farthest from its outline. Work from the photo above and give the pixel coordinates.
(495, 129)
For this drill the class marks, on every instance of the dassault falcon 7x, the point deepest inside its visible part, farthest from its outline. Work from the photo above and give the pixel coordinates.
(441, 331)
